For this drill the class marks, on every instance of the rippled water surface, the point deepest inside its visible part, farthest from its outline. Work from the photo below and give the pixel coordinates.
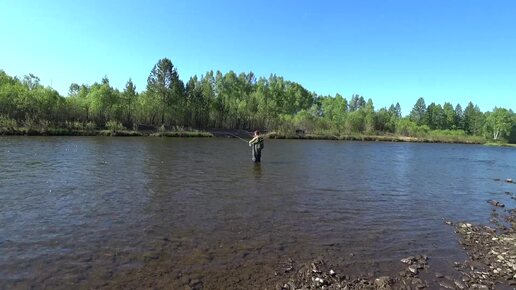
(93, 212)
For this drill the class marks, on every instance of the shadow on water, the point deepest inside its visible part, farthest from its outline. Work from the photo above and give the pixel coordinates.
(157, 213)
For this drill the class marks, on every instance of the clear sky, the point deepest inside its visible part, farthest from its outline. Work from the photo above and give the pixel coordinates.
(390, 51)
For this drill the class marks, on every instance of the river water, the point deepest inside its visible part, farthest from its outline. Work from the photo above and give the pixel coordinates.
(101, 212)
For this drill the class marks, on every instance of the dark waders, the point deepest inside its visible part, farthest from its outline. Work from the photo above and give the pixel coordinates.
(256, 151)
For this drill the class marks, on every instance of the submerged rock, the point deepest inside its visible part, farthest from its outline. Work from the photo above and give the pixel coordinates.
(496, 203)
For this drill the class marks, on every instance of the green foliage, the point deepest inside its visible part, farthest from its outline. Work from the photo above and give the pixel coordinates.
(183, 134)
(8, 123)
(473, 120)
(419, 112)
(499, 123)
(232, 101)
(163, 84)
(407, 127)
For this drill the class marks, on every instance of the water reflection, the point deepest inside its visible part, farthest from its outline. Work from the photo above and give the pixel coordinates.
(257, 171)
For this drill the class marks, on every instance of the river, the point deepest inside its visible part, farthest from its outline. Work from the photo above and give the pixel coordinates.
(103, 212)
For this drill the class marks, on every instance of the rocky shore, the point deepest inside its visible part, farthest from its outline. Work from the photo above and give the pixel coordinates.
(491, 262)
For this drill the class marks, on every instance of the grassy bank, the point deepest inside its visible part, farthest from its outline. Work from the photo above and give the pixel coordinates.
(500, 144)
(384, 138)
(183, 134)
(433, 137)
(78, 132)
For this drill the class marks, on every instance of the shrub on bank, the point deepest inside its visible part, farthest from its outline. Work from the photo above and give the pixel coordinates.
(182, 134)
(8, 123)
(115, 126)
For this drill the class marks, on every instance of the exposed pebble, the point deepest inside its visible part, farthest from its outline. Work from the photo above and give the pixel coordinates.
(413, 269)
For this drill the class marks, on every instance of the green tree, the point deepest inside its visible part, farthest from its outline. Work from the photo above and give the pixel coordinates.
(356, 103)
(459, 117)
(74, 90)
(334, 111)
(383, 120)
(435, 117)
(31, 81)
(473, 119)
(395, 110)
(418, 112)
(499, 123)
(449, 117)
(369, 118)
(163, 82)
(129, 96)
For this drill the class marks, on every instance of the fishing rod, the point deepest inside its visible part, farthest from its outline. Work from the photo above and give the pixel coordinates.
(238, 137)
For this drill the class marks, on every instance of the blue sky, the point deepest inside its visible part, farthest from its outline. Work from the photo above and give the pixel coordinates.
(390, 51)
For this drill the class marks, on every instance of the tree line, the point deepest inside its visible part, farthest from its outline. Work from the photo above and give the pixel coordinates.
(235, 101)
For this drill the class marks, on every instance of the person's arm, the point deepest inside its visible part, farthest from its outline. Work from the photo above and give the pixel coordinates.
(254, 140)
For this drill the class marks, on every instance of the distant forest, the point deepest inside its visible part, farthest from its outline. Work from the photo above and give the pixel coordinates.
(234, 101)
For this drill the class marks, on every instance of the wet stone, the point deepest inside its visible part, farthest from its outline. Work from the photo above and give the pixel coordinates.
(446, 285)
(459, 284)
(382, 281)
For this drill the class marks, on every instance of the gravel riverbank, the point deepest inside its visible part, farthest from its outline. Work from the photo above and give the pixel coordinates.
(491, 262)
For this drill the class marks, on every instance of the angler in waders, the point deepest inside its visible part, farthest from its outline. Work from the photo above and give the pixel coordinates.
(256, 145)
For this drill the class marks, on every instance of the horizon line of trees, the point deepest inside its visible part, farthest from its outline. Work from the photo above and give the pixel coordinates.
(237, 101)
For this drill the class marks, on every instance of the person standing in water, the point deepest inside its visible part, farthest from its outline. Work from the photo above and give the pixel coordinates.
(256, 146)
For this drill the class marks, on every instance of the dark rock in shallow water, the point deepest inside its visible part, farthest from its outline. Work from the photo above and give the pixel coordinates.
(495, 203)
